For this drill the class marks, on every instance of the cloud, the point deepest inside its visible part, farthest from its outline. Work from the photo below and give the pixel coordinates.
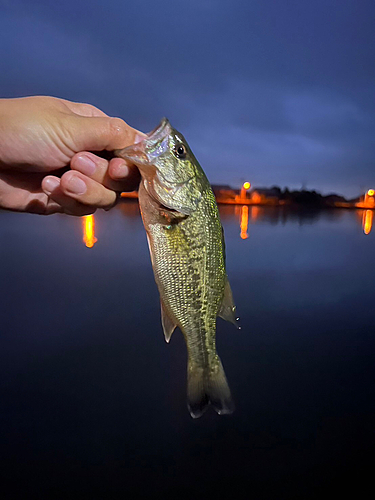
(283, 90)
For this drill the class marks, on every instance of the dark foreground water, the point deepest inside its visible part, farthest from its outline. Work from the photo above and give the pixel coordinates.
(93, 400)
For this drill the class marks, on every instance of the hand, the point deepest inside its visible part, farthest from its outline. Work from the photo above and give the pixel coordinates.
(40, 136)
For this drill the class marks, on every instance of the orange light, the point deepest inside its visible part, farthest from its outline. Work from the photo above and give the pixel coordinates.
(256, 198)
(246, 185)
(371, 192)
(244, 222)
(367, 221)
(88, 226)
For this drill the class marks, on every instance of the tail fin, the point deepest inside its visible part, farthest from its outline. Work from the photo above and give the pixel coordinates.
(208, 386)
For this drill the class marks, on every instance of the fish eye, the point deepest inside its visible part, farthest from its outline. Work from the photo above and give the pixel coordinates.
(180, 151)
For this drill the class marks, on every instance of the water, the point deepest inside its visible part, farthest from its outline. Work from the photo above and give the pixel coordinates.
(93, 399)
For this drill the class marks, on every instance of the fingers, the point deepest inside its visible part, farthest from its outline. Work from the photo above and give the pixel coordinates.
(78, 194)
(52, 187)
(92, 183)
(120, 171)
(115, 174)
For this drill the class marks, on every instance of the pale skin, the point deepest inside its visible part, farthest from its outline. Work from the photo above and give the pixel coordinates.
(48, 162)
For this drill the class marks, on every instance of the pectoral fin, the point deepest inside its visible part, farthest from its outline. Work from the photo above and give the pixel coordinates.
(228, 309)
(168, 324)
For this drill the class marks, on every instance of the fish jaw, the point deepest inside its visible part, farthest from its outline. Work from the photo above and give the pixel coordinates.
(145, 153)
(136, 154)
(160, 131)
(153, 145)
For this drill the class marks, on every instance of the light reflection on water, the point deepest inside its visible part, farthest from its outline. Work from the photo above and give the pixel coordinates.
(367, 221)
(87, 378)
(88, 226)
(273, 215)
(244, 222)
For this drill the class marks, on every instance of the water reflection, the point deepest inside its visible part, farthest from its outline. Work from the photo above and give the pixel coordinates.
(87, 378)
(246, 215)
(254, 213)
(243, 215)
(88, 226)
(244, 222)
(367, 221)
(280, 215)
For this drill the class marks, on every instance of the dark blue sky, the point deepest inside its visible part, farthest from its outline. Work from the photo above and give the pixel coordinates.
(275, 92)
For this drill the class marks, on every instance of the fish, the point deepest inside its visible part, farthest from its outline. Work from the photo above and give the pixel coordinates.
(187, 249)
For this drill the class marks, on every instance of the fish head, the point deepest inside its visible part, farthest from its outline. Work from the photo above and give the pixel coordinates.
(170, 172)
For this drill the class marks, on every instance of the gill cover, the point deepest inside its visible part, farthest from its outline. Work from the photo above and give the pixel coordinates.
(170, 178)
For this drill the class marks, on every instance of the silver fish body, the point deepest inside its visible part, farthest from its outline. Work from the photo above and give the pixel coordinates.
(187, 251)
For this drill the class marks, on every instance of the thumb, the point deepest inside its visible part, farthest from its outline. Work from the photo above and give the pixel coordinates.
(96, 133)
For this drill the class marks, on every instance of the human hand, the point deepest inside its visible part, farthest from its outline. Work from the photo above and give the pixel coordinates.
(40, 136)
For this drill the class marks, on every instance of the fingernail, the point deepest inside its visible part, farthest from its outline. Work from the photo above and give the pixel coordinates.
(86, 165)
(121, 171)
(76, 185)
(50, 184)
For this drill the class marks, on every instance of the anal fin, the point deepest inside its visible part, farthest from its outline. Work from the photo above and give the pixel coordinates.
(168, 323)
(227, 310)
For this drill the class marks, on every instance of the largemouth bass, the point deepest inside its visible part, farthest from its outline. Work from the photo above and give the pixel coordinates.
(187, 250)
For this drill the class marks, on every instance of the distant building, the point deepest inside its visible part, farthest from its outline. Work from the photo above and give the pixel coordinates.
(224, 191)
(261, 195)
(276, 196)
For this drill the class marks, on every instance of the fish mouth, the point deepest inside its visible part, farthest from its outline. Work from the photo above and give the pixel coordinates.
(136, 153)
(160, 131)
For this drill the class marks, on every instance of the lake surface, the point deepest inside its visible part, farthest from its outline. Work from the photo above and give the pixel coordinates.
(93, 401)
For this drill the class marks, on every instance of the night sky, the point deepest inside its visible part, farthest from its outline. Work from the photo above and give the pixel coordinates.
(275, 92)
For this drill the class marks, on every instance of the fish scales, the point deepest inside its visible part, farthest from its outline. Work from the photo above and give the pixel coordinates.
(191, 280)
(186, 244)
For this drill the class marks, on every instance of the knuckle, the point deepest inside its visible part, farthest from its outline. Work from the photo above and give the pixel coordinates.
(89, 109)
(118, 131)
(117, 126)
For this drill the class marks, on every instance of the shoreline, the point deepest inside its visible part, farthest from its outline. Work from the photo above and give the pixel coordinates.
(133, 195)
